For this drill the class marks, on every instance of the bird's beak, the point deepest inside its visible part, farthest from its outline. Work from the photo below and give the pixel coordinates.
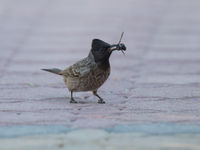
(120, 47)
(113, 47)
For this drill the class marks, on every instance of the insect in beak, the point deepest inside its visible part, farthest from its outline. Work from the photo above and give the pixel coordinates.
(120, 46)
(123, 46)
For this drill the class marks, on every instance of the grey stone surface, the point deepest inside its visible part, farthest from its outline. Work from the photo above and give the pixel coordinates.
(157, 81)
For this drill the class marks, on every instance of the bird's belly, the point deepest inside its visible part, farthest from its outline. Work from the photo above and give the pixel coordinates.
(96, 80)
(90, 82)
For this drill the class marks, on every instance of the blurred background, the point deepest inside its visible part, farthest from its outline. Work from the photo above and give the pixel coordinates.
(153, 91)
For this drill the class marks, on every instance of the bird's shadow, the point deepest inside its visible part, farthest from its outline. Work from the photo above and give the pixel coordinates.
(79, 100)
(66, 99)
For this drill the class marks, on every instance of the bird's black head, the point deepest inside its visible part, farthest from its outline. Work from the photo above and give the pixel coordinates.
(100, 51)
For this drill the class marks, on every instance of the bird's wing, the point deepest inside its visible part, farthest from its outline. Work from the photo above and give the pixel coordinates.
(79, 69)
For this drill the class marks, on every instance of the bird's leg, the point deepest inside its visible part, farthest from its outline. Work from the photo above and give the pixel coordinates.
(72, 99)
(100, 101)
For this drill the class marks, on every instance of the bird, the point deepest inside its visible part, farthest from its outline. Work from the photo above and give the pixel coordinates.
(90, 73)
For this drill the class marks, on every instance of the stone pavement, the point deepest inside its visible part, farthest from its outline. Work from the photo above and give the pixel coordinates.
(156, 82)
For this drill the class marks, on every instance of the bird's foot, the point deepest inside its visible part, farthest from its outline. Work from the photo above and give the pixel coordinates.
(101, 101)
(73, 101)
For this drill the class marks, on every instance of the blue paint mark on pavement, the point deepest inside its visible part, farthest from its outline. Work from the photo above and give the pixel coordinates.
(15, 131)
(158, 128)
(155, 129)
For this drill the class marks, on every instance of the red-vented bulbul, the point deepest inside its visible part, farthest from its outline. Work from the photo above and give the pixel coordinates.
(91, 72)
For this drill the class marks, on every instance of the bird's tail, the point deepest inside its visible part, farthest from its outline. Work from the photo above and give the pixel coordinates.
(53, 70)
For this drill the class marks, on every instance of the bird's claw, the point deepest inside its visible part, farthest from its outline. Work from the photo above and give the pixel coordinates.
(73, 101)
(101, 101)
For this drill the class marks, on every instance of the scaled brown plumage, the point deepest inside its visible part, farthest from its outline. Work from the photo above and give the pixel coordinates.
(91, 72)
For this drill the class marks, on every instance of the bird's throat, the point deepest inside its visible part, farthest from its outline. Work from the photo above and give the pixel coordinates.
(104, 65)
